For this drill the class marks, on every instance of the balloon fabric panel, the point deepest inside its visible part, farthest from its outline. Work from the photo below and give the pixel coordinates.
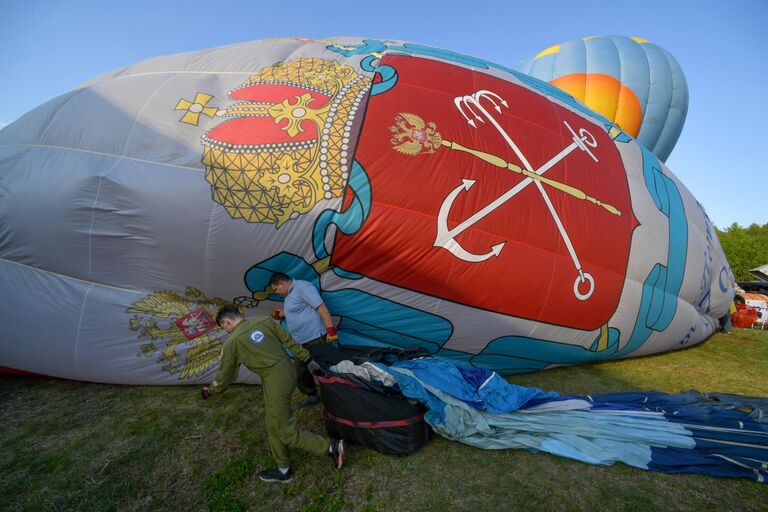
(607, 96)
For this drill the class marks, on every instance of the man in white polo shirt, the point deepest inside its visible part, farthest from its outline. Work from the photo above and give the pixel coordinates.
(309, 323)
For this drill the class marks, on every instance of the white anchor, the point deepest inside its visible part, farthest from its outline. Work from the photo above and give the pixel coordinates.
(446, 238)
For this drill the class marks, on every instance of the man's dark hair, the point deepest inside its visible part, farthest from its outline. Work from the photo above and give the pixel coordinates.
(277, 278)
(227, 311)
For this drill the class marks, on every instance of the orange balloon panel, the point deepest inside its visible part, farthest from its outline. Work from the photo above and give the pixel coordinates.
(605, 95)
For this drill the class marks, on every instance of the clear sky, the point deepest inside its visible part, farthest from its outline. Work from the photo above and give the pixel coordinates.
(50, 47)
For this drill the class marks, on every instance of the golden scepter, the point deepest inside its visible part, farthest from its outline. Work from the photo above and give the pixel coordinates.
(412, 136)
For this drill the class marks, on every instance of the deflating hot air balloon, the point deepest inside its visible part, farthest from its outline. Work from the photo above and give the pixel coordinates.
(434, 200)
(631, 81)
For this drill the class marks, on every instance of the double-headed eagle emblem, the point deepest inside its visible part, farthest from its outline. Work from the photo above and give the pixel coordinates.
(412, 136)
(155, 319)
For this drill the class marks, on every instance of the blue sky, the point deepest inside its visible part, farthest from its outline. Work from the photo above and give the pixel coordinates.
(50, 47)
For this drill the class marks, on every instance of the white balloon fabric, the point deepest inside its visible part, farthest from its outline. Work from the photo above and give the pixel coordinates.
(434, 199)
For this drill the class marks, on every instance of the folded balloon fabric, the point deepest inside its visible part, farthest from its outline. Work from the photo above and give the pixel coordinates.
(707, 433)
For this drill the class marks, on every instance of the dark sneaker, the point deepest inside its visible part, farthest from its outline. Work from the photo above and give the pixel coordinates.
(275, 475)
(309, 401)
(337, 453)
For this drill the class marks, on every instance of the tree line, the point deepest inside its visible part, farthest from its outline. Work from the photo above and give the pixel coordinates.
(745, 248)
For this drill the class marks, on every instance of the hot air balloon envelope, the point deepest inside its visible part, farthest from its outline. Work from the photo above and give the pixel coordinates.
(630, 81)
(433, 199)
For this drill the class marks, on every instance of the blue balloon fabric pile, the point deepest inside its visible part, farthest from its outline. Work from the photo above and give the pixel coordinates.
(707, 433)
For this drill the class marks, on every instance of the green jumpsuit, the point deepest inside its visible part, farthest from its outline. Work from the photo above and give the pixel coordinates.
(258, 344)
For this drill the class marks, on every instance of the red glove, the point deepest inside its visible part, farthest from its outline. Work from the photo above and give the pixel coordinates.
(277, 314)
(331, 336)
(205, 393)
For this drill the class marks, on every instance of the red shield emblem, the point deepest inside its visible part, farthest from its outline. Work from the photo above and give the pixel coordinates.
(195, 324)
(488, 194)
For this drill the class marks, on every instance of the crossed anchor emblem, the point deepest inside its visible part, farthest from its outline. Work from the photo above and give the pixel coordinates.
(412, 136)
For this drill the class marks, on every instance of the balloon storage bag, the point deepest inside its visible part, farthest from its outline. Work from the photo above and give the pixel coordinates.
(364, 412)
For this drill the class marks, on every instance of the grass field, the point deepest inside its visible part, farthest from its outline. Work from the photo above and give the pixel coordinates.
(70, 445)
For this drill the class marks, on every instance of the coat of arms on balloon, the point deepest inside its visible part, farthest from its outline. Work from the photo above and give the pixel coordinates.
(431, 192)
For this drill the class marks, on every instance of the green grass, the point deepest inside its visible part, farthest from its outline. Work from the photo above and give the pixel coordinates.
(69, 445)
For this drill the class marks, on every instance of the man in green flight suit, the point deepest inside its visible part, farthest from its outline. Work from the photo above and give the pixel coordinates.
(258, 344)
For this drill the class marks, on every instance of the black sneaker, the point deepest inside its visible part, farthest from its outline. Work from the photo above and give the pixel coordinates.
(275, 475)
(337, 453)
(310, 400)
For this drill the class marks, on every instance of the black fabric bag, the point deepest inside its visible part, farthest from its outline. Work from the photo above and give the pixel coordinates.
(365, 413)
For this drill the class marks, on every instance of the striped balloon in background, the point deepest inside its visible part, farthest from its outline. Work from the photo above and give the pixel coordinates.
(631, 81)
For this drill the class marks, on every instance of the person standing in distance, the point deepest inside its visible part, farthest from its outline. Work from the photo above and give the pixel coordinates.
(309, 322)
(258, 344)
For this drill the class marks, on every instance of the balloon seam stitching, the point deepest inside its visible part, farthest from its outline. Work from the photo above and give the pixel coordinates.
(69, 277)
(111, 155)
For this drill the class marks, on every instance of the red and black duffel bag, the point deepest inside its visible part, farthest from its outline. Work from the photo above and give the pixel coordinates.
(367, 413)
